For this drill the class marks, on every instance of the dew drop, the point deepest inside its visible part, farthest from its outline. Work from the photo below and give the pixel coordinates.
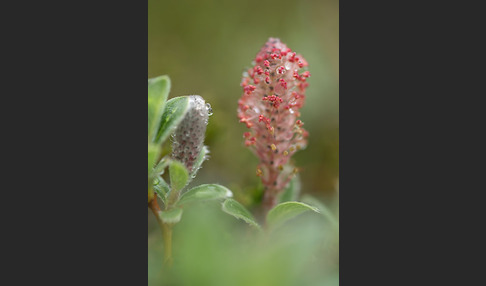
(210, 110)
(229, 194)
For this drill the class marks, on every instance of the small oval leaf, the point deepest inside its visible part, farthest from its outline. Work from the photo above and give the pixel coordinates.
(178, 176)
(158, 91)
(237, 210)
(174, 111)
(323, 209)
(153, 153)
(204, 193)
(161, 188)
(171, 216)
(285, 211)
(159, 169)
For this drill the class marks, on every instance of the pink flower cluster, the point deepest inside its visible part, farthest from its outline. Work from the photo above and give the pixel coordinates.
(273, 92)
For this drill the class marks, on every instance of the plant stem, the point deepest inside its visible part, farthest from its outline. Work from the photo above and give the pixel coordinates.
(166, 232)
(269, 201)
(167, 237)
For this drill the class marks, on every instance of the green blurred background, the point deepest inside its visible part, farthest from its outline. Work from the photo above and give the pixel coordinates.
(204, 46)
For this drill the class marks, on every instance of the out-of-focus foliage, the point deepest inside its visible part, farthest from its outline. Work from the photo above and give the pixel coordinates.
(213, 249)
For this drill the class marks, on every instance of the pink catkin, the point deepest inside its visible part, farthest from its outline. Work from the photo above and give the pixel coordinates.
(273, 93)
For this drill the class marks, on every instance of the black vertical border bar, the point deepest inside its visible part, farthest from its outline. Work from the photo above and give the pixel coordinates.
(75, 85)
(380, 126)
(100, 225)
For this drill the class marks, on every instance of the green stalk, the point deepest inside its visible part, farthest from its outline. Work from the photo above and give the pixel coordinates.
(166, 232)
(167, 237)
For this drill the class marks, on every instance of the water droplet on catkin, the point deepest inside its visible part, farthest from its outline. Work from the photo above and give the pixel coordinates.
(209, 109)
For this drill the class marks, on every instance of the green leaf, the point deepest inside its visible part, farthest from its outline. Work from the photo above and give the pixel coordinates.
(153, 153)
(159, 169)
(237, 210)
(158, 91)
(171, 216)
(291, 191)
(322, 208)
(174, 112)
(178, 176)
(199, 160)
(161, 188)
(285, 211)
(204, 193)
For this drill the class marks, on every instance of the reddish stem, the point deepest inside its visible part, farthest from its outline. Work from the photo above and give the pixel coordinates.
(269, 201)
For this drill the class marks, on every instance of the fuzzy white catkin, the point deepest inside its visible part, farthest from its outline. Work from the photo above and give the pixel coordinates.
(188, 139)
